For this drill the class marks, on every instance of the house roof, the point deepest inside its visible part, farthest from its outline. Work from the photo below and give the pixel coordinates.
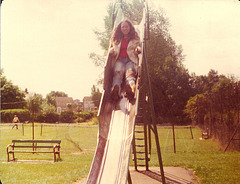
(87, 98)
(63, 101)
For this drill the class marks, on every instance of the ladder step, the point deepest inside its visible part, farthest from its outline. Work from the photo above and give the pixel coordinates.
(141, 146)
(140, 152)
(140, 124)
(139, 139)
(140, 158)
(141, 165)
(139, 131)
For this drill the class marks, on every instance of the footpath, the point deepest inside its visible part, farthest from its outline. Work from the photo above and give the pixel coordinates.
(173, 175)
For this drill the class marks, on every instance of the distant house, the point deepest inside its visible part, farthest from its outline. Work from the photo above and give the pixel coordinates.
(88, 104)
(64, 104)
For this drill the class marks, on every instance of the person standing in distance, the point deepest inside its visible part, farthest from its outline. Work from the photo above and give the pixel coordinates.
(15, 121)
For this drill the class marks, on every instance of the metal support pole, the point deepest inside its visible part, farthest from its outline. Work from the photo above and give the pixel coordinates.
(33, 119)
(33, 122)
(23, 129)
(149, 142)
(153, 115)
(129, 177)
(174, 142)
(146, 146)
(33, 130)
(191, 132)
(41, 129)
(134, 151)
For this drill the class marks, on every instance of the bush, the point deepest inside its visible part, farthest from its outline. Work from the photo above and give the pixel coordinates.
(40, 118)
(95, 121)
(78, 120)
(67, 117)
(87, 115)
(51, 117)
(8, 114)
(84, 116)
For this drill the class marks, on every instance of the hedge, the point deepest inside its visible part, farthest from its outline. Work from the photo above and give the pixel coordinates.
(64, 117)
(84, 116)
(8, 114)
(52, 117)
(70, 117)
(67, 117)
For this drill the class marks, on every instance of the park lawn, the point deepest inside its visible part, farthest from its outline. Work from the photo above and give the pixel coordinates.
(77, 151)
(204, 157)
(210, 163)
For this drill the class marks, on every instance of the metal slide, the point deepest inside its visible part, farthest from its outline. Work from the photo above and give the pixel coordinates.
(116, 127)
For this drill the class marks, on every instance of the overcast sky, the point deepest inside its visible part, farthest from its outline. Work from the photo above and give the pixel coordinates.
(45, 45)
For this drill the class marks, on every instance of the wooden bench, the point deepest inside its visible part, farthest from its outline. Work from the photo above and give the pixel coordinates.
(34, 146)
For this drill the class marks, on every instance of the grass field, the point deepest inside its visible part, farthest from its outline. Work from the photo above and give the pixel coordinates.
(210, 164)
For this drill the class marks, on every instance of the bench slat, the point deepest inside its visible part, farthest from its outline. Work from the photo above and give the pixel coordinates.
(17, 151)
(37, 141)
(34, 146)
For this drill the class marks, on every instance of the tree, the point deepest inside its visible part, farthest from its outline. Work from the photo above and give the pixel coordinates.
(11, 96)
(34, 103)
(170, 80)
(70, 106)
(196, 109)
(96, 96)
(216, 105)
(51, 97)
(47, 108)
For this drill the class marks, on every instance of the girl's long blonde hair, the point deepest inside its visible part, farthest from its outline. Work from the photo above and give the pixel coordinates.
(117, 34)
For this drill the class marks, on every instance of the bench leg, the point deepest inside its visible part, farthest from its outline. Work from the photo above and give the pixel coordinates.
(7, 156)
(59, 153)
(56, 152)
(54, 156)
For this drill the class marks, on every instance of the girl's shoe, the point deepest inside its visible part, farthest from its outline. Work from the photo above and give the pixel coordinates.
(115, 93)
(129, 92)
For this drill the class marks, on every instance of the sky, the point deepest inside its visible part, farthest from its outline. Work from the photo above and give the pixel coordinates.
(209, 32)
(45, 45)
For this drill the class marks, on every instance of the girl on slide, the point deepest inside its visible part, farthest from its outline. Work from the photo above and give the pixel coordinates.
(125, 47)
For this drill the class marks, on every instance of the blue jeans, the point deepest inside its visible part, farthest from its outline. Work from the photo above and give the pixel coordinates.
(124, 67)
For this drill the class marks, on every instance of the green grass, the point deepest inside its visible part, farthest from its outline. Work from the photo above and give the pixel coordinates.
(74, 165)
(204, 157)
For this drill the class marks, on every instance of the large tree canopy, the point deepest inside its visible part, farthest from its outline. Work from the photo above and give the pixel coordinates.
(11, 96)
